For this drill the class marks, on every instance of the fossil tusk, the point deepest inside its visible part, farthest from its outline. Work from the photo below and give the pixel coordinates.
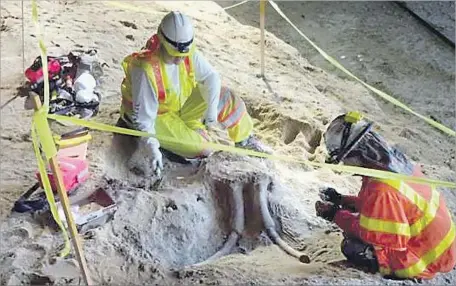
(237, 225)
(269, 225)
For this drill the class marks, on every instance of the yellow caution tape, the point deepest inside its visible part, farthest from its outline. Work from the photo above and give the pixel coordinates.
(44, 133)
(231, 149)
(41, 130)
(43, 53)
(235, 5)
(34, 12)
(378, 92)
(71, 142)
(48, 191)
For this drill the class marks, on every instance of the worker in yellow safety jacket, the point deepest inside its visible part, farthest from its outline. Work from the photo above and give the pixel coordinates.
(171, 90)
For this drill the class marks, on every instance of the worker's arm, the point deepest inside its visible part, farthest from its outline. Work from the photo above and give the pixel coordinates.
(145, 102)
(350, 202)
(348, 222)
(209, 83)
(145, 108)
(382, 221)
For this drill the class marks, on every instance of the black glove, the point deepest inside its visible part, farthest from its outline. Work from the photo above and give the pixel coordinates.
(331, 195)
(326, 210)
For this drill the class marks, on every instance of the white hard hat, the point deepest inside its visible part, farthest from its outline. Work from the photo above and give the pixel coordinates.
(176, 34)
(351, 140)
(344, 132)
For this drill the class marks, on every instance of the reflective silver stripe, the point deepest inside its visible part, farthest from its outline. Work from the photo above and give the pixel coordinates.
(225, 96)
(235, 116)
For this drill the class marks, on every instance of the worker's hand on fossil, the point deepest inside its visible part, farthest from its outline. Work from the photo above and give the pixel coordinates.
(326, 210)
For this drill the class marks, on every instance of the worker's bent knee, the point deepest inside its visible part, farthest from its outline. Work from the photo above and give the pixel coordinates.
(359, 253)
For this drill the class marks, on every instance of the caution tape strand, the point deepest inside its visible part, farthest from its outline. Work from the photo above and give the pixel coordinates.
(219, 147)
(235, 5)
(43, 53)
(48, 191)
(42, 132)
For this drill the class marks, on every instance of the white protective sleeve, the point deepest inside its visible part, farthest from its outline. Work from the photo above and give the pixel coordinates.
(209, 84)
(145, 103)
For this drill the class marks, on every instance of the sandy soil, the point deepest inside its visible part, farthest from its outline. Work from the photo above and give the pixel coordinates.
(378, 41)
(156, 235)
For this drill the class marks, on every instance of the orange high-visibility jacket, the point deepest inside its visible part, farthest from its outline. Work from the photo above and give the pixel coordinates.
(408, 224)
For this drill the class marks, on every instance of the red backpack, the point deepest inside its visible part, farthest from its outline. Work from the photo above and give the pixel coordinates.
(35, 72)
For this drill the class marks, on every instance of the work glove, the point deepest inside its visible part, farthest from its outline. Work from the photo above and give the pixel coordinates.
(331, 195)
(152, 146)
(326, 210)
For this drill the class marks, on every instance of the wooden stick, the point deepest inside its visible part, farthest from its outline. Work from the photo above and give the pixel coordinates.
(262, 18)
(66, 206)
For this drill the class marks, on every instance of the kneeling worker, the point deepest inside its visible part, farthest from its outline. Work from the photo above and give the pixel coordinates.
(404, 230)
(170, 90)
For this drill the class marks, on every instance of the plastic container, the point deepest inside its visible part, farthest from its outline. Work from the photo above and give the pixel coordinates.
(74, 172)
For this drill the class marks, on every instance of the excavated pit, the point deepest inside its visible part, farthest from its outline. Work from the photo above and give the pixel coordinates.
(187, 221)
(195, 216)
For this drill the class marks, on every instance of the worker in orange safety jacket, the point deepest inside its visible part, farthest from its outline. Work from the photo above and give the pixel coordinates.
(401, 229)
(171, 91)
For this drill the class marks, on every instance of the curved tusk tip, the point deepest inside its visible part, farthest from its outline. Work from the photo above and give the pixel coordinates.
(304, 259)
